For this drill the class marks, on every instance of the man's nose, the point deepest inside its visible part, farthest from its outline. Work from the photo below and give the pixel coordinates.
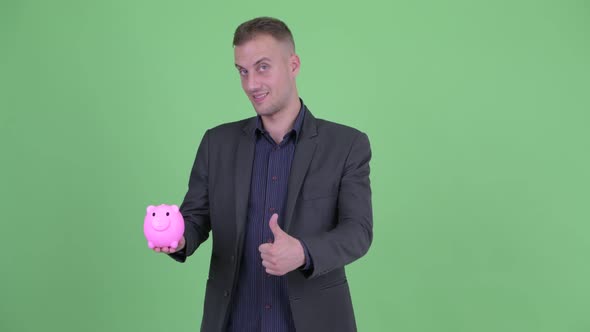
(252, 83)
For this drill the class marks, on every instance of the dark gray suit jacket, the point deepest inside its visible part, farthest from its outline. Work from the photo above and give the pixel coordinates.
(328, 207)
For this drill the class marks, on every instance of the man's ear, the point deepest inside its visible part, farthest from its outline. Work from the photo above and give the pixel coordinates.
(294, 64)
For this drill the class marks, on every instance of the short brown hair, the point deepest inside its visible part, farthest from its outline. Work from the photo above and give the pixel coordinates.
(263, 25)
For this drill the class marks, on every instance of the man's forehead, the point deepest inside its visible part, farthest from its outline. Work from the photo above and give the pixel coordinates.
(260, 47)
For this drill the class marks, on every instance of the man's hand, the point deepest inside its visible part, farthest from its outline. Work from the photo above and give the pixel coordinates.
(169, 250)
(284, 255)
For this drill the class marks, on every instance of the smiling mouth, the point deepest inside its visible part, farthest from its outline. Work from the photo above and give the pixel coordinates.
(259, 97)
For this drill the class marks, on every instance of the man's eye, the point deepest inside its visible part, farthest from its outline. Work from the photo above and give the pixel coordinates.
(263, 67)
(243, 72)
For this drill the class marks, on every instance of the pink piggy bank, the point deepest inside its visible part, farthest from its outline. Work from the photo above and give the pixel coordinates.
(163, 226)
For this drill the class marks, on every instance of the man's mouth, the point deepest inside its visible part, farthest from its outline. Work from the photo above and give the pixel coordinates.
(259, 96)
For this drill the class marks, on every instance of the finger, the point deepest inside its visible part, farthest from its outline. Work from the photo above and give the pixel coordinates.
(271, 260)
(274, 272)
(267, 257)
(157, 249)
(274, 226)
(265, 247)
(268, 264)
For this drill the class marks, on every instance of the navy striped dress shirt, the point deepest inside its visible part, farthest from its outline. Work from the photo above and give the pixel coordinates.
(261, 301)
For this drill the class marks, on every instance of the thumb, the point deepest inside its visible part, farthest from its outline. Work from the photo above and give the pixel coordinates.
(274, 226)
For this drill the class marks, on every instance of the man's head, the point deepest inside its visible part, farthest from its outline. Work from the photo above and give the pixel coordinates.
(265, 57)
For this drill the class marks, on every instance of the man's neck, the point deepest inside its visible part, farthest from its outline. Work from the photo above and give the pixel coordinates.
(280, 123)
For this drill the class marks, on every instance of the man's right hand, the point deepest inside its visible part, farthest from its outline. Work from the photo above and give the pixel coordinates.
(169, 250)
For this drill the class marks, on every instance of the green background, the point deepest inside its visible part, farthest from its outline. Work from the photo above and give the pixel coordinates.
(477, 112)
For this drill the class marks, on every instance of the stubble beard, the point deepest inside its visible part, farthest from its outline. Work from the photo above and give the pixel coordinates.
(267, 110)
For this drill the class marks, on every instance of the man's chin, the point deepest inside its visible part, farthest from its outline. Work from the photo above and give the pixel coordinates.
(264, 111)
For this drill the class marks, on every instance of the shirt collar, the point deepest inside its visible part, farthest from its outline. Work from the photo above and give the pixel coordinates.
(296, 126)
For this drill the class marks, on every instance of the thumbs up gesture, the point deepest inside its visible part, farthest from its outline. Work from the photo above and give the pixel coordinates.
(284, 255)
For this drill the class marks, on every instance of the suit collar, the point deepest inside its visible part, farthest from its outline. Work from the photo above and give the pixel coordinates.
(308, 127)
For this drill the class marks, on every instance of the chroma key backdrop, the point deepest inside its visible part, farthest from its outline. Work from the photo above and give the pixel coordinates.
(477, 113)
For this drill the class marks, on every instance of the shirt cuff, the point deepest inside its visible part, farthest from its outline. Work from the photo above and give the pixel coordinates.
(308, 263)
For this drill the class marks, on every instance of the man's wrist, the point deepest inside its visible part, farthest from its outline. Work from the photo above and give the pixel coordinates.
(307, 264)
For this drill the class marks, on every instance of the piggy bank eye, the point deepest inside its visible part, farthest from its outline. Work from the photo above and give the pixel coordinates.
(153, 214)
(167, 214)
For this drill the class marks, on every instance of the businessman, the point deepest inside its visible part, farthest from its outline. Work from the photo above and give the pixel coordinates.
(286, 197)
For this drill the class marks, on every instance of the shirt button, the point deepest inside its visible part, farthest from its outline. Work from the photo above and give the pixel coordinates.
(271, 209)
(267, 306)
(274, 178)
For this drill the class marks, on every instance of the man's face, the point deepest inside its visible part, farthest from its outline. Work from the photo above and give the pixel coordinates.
(267, 68)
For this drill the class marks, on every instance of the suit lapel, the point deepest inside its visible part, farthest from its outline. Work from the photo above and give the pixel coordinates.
(243, 174)
(304, 151)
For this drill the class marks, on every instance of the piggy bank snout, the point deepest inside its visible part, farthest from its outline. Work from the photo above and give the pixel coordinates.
(160, 224)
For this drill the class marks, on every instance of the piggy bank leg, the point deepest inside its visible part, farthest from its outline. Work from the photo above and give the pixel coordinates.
(151, 244)
(174, 245)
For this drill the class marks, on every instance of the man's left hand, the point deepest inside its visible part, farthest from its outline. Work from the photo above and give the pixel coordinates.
(284, 255)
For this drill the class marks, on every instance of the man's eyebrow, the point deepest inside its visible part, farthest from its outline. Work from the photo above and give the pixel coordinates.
(263, 59)
(257, 62)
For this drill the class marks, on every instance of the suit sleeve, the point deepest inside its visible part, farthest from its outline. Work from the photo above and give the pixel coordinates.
(195, 206)
(353, 234)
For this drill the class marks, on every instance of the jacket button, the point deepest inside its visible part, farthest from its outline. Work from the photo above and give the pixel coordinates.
(226, 293)
(232, 258)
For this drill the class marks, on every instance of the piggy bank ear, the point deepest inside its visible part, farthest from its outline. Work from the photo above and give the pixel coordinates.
(174, 208)
(150, 209)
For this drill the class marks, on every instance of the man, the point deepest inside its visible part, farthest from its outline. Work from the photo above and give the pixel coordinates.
(286, 196)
